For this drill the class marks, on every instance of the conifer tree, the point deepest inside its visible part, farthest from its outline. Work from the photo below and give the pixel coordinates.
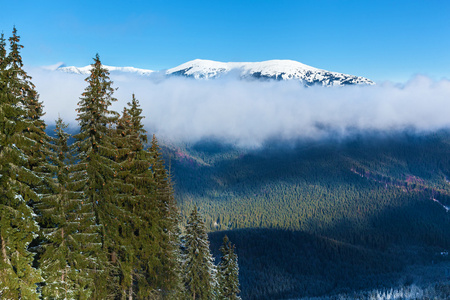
(168, 221)
(199, 272)
(97, 155)
(36, 148)
(228, 272)
(133, 177)
(37, 151)
(68, 227)
(154, 259)
(18, 278)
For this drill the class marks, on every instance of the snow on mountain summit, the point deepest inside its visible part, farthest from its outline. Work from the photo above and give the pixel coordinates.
(200, 68)
(265, 70)
(271, 69)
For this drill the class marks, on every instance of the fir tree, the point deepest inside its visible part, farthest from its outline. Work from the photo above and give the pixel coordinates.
(69, 228)
(97, 156)
(133, 177)
(228, 272)
(168, 221)
(36, 148)
(198, 267)
(37, 151)
(18, 278)
(151, 256)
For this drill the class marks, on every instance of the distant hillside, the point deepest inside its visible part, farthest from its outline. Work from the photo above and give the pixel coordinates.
(336, 216)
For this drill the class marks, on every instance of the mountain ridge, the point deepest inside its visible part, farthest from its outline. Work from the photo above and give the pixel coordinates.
(266, 70)
(279, 70)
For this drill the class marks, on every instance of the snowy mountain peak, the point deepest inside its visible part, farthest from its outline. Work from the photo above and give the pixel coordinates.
(86, 70)
(271, 69)
(201, 68)
(265, 70)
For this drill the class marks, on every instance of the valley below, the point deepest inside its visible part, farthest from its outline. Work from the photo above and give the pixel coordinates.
(336, 218)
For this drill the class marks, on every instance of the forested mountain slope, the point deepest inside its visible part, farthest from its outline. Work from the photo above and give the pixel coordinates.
(322, 218)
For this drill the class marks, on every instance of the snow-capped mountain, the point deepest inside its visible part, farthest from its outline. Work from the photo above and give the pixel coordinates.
(265, 70)
(271, 69)
(85, 70)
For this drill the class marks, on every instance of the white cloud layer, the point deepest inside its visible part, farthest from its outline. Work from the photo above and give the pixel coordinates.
(247, 113)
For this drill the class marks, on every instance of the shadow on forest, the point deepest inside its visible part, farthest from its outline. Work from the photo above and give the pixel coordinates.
(283, 264)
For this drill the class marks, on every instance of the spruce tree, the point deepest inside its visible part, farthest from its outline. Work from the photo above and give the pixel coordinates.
(68, 226)
(152, 257)
(97, 156)
(18, 228)
(199, 272)
(37, 150)
(228, 272)
(133, 177)
(168, 222)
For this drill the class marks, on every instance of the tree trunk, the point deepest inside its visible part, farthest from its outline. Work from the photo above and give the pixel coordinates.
(130, 291)
(113, 257)
(5, 256)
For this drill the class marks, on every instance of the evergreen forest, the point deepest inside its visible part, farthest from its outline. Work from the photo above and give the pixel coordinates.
(330, 218)
(92, 215)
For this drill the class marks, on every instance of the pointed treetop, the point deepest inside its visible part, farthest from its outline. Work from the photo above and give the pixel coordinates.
(2, 45)
(15, 47)
(3, 62)
(135, 112)
(96, 100)
(225, 240)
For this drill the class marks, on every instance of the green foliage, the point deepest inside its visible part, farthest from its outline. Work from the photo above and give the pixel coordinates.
(150, 256)
(105, 205)
(68, 227)
(199, 272)
(228, 272)
(168, 221)
(96, 157)
(18, 278)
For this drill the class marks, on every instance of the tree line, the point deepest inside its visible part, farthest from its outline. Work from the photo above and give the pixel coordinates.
(95, 218)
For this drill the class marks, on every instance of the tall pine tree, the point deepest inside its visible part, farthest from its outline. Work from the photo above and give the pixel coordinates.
(97, 155)
(168, 222)
(18, 278)
(134, 180)
(36, 148)
(151, 257)
(68, 226)
(228, 272)
(199, 272)
(37, 151)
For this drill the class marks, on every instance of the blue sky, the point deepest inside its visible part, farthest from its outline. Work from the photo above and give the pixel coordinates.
(381, 40)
